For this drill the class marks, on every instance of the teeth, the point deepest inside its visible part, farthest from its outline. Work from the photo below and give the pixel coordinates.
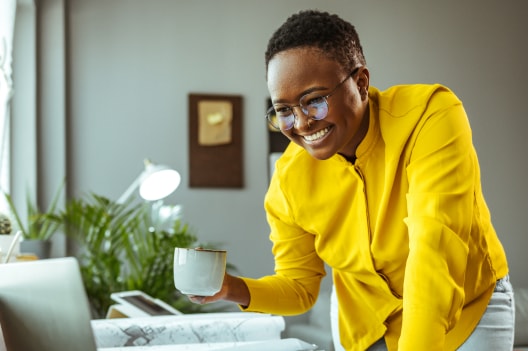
(316, 135)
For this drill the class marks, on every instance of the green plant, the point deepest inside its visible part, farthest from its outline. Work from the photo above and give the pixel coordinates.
(120, 248)
(5, 225)
(39, 225)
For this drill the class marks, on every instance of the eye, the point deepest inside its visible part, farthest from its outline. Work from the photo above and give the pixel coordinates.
(283, 111)
(314, 101)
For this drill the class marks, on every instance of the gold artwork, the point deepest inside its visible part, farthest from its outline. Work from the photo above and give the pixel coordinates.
(214, 122)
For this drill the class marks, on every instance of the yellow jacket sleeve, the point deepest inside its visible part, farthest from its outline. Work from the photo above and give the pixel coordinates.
(295, 286)
(441, 195)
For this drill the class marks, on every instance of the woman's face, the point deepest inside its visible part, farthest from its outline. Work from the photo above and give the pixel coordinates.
(296, 72)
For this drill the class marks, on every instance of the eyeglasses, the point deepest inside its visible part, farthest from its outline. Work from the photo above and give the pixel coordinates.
(315, 106)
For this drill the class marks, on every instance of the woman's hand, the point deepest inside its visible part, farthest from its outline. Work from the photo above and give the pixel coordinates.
(233, 289)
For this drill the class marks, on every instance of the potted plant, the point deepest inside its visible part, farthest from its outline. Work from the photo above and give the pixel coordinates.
(39, 226)
(123, 247)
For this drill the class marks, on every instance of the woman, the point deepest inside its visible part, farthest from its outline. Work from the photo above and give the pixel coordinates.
(383, 186)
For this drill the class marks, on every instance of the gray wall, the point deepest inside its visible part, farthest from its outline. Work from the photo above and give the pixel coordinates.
(131, 64)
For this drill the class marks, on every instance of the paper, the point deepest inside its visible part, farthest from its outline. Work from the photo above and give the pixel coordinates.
(200, 328)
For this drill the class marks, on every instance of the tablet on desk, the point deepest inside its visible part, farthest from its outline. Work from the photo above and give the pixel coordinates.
(136, 303)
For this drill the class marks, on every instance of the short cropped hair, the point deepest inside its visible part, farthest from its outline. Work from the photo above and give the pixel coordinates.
(336, 38)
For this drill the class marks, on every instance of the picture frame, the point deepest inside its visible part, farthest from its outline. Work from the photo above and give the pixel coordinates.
(215, 141)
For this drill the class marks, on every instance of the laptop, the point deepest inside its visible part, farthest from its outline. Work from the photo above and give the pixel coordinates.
(44, 307)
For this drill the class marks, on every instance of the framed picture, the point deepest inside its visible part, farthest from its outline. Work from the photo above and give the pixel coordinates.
(215, 141)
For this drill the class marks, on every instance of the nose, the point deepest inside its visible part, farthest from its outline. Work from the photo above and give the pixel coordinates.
(300, 122)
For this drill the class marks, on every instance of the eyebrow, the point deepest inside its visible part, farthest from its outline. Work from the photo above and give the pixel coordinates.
(318, 88)
(303, 93)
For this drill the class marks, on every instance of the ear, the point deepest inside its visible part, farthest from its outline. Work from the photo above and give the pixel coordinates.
(362, 81)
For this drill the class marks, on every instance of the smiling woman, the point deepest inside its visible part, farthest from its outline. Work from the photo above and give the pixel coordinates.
(383, 186)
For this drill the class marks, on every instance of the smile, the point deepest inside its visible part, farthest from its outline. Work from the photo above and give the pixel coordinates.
(318, 135)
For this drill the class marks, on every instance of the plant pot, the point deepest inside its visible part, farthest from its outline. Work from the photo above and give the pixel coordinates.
(39, 248)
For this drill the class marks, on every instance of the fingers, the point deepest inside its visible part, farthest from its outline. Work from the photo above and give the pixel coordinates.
(221, 295)
(201, 300)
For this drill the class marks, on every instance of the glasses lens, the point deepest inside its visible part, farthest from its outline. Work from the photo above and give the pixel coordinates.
(315, 106)
(272, 117)
(282, 118)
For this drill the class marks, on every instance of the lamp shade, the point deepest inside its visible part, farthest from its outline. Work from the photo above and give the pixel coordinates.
(159, 182)
(155, 183)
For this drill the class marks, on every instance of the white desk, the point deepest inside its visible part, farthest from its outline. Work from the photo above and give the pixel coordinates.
(267, 345)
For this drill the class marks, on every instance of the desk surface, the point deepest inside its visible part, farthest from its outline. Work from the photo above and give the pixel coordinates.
(263, 345)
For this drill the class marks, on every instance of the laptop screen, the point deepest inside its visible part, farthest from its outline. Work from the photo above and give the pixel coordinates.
(43, 306)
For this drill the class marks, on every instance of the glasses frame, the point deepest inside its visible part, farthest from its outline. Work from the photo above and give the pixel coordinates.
(271, 113)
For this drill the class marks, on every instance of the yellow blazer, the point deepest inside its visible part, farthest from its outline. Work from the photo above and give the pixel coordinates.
(406, 229)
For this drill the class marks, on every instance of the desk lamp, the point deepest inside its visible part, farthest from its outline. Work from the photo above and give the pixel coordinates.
(155, 182)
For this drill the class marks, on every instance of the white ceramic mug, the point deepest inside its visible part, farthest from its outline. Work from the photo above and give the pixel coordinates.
(199, 271)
